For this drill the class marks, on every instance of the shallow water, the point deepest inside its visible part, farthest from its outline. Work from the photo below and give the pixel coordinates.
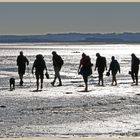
(70, 53)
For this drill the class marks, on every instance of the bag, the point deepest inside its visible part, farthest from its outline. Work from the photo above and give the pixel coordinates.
(47, 75)
(108, 73)
(116, 65)
(130, 72)
(58, 60)
(91, 65)
(137, 61)
(61, 61)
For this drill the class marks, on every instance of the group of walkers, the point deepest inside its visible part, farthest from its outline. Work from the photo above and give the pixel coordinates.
(39, 65)
(85, 68)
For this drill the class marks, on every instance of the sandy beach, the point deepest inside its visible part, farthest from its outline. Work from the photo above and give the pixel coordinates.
(67, 111)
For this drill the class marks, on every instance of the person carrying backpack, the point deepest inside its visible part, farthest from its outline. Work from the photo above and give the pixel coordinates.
(101, 66)
(57, 64)
(39, 65)
(114, 68)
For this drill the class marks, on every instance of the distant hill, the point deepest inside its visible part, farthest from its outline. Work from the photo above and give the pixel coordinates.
(125, 37)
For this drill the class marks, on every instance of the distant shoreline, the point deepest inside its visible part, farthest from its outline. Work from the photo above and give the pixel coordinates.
(75, 38)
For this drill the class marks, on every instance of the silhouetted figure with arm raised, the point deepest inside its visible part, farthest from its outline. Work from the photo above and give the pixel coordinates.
(39, 65)
(57, 64)
(134, 68)
(85, 69)
(100, 66)
(22, 61)
(114, 68)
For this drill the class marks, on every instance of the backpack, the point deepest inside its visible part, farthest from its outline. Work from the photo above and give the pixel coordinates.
(137, 61)
(116, 65)
(104, 61)
(40, 63)
(61, 61)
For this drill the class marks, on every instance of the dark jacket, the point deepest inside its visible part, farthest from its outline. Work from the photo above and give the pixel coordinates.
(135, 63)
(21, 63)
(86, 69)
(101, 63)
(114, 66)
(85, 61)
(57, 61)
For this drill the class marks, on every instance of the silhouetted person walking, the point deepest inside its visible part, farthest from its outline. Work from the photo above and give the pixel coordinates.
(22, 61)
(57, 64)
(134, 68)
(85, 69)
(39, 65)
(114, 68)
(101, 65)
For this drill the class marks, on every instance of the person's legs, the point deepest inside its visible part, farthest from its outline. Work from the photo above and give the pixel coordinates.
(21, 79)
(86, 82)
(41, 83)
(59, 78)
(136, 77)
(41, 78)
(114, 77)
(133, 76)
(21, 72)
(37, 81)
(100, 72)
(136, 74)
(57, 75)
(101, 78)
(112, 80)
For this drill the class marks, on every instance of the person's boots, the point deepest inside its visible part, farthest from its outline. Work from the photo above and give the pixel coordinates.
(21, 83)
(86, 89)
(60, 82)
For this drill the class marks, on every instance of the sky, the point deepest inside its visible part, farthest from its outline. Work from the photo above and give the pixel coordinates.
(43, 18)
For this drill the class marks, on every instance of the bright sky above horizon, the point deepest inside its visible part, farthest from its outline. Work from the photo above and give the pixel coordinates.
(44, 18)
